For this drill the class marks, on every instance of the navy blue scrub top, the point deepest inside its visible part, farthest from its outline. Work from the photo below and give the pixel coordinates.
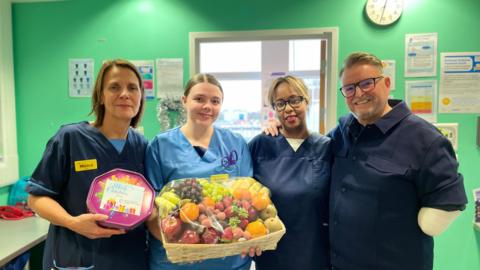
(382, 175)
(299, 183)
(56, 177)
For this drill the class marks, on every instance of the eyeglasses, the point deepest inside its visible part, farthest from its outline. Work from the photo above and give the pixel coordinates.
(364, 85)
(293, 101)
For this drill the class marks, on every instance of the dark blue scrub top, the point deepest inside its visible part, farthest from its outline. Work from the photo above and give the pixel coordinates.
(382, 175)
(299, 183)
(56, 177)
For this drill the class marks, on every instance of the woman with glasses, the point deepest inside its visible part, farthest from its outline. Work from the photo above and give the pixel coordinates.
(296, 167)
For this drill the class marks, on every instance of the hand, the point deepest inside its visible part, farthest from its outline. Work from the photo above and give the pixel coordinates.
(87, 226)
(272, 128)
(154, 214)
(252, 252)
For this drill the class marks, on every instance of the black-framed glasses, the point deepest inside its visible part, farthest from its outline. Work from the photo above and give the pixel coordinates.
(364, 85)
(293, 101)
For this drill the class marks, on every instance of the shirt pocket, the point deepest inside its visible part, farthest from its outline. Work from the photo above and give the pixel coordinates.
(386, 169)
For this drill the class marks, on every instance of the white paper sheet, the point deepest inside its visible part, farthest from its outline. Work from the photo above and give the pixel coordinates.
(421, 98)
(169, 78)
(421, 55)
(460, 82)
(80, 77)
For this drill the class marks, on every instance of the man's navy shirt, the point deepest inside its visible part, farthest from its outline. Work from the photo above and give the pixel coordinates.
(382, 175)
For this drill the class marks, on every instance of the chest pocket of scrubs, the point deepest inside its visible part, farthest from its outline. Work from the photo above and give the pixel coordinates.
(320, 173)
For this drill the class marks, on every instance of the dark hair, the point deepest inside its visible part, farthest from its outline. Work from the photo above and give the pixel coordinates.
(97, 107)
(201, 78)
(361, 58)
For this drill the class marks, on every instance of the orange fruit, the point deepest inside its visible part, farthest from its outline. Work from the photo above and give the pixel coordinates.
(189, 212)
(256, 229)
(207, 201)
(241, 193)
(260, 201)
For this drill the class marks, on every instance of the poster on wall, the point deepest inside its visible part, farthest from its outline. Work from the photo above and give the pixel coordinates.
(421, 55)
(459, 82)
(476, 198)
(389, 71)
(145, 68)
(80, 77)
(449, 130)
(421, 97)
(169, 77)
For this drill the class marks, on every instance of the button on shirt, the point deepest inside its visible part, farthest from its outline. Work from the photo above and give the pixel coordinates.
(382, 175)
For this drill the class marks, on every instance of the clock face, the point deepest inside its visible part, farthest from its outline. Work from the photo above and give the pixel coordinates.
(384, 12)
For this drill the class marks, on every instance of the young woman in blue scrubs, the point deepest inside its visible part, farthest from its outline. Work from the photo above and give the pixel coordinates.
(295, 166)
(59, 185)
(196, 149)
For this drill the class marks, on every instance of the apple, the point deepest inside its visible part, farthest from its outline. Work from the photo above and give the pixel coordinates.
(171, 227)
(189, 237)
(220, 206)
(273, 224)
(237, 233)
(227, 235)
(210, 236)
(206, 222)
(227, 201)
(229, 212)
(221, 216)
(245, 204)
(268, 212)
(243, 223)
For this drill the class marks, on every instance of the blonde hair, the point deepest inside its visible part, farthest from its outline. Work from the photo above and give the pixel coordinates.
(361, 58)
(295, 83)
(97, 107)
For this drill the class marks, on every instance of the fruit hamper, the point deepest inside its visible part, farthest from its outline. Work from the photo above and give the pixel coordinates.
(203, 219)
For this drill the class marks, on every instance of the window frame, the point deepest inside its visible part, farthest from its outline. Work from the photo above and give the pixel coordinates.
(9, 163)
(328, 114)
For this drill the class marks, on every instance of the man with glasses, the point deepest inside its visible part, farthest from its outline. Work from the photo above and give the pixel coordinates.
(395, 182)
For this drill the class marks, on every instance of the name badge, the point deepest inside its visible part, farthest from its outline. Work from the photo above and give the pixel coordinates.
(218, 178)
(85, 165)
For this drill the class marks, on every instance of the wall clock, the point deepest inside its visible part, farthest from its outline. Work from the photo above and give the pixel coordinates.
(384, 12)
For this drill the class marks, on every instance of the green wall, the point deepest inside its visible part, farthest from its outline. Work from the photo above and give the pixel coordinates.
(4, 195)
(46, 35)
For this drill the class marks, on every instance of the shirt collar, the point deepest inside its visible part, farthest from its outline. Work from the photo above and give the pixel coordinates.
(384, 124)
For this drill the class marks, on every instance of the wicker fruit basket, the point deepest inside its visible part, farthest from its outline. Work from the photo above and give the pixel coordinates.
(181, 253)
(204, 219)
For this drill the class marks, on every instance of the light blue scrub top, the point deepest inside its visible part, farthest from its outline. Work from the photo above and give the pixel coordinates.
(170, 156)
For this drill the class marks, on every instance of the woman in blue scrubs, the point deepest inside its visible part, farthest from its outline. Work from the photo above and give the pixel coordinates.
(77, 154)
(295, 166)
(196, 149)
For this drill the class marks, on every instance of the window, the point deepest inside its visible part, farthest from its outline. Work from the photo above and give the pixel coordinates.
(8, 134)
(246, 63)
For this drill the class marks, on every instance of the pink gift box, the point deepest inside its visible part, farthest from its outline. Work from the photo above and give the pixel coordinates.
(125, 196)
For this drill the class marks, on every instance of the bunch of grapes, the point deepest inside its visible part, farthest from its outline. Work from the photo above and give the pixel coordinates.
(189, 189)
(214, 190)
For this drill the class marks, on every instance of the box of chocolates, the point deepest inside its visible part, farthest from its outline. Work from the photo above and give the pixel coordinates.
(125, 196)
